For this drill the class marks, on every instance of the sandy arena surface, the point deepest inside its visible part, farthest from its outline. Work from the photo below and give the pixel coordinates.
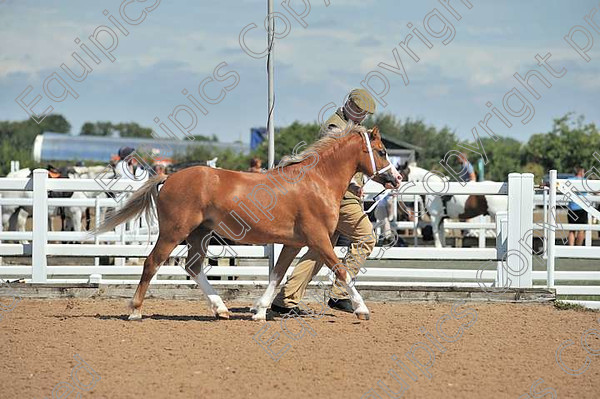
(177, 351)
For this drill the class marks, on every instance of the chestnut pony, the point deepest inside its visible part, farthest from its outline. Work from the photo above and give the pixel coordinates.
(295, 205)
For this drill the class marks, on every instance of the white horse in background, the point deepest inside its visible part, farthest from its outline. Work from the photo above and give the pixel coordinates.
(458, 207)
(14, 217)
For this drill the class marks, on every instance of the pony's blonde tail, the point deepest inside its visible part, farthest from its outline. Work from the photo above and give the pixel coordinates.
(143, 201)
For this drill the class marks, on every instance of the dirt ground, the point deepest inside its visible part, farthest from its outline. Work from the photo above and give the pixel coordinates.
(178, 351)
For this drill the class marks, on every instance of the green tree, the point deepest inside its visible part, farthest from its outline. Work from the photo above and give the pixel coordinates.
(17, 138)
(55, 123)
(106, 128)
(97, 129)
(570, 143)
(435, 143)
(200, 137)
(132, 129)
(503, 155)
(287, 138)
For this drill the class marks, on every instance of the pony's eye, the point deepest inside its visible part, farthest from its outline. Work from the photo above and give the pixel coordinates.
(381, 153)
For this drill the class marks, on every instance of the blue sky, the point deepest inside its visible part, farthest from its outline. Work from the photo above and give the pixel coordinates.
(181, 42)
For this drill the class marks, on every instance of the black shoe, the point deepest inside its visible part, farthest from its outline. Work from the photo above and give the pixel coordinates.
(345, 305)
(288, 311)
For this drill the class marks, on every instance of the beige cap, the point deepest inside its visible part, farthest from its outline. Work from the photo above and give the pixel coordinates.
(363, 100)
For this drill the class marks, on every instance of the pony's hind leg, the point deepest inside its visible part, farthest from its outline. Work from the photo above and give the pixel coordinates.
(283, 263)
(199, 240)
(159, 254)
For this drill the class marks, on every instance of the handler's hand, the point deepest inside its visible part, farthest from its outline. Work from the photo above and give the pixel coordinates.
(356, 190)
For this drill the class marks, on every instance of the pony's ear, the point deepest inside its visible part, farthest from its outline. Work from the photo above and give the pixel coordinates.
(375, 133)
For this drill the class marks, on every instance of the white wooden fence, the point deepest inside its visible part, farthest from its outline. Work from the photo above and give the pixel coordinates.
(510, 229)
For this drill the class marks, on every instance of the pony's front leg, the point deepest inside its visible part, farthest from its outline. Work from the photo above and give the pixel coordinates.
(283, 263)
(344, 276)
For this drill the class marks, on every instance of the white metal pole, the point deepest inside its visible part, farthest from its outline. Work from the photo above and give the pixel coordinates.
(271, 105)
(552, 230)
(271, 109)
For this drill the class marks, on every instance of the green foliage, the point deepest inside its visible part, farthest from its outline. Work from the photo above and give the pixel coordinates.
(435, 143)
(561, 305)
(569, 144)
(288, 138)
(16, 139)
(503, 157)
(200, 137)
(537, 170)
(285, 140)
(129, 129)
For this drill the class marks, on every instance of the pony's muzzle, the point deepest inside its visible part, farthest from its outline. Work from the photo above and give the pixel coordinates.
(392, 177)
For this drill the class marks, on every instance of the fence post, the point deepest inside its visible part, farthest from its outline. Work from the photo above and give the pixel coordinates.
(39, 273)
(526, 228)
(551, 230)
(520, 220)
(511, 260)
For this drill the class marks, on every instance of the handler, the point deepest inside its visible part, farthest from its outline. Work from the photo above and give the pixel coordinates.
(353, 222)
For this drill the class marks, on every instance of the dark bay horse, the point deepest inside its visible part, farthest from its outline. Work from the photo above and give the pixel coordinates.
(295, 205)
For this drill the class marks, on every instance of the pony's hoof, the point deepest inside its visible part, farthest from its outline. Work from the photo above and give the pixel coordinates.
(260, 316)
(363, 316)
(135, 316)
(223, 315)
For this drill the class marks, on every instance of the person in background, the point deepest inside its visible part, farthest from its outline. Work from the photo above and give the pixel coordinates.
(255, 165)
(576, 214)
(127, 167)
(159, 170)
(467, 173)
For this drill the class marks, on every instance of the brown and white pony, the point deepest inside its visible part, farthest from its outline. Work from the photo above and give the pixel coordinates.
(295, 205)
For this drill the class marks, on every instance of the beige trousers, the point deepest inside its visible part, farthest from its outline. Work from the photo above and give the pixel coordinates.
(354, 224)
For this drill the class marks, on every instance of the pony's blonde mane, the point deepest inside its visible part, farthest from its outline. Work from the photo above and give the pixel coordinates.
(325, 143)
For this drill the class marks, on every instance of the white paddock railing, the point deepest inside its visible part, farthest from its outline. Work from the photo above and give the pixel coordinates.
(510, 228)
